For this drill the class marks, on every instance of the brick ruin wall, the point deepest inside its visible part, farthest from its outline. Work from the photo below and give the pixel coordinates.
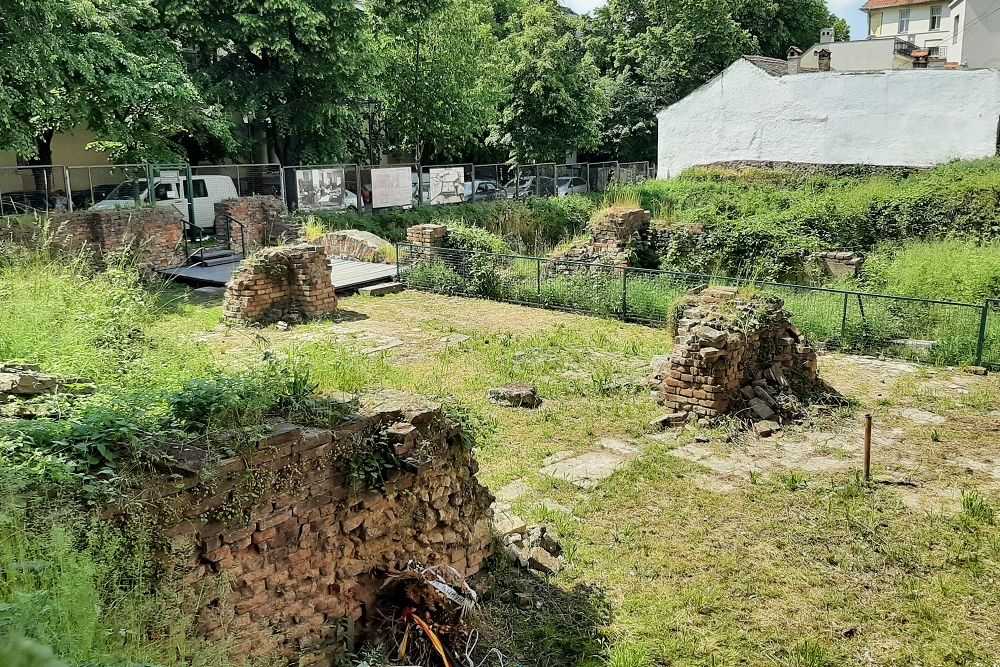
(265, 221)
(616, 234)
(290, 283)
(355, 244)
(734, 355)
(303, 546)
(154, 234)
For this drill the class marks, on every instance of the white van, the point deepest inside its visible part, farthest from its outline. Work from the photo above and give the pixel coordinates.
(170, 190)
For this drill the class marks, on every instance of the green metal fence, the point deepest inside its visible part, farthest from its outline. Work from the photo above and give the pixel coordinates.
(943, 332)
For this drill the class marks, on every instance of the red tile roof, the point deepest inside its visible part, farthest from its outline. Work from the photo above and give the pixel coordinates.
(882, 4)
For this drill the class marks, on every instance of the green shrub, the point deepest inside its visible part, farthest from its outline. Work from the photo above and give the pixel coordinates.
(476, 239)
(772, 218)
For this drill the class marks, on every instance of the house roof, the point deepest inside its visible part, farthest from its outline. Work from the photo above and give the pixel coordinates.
(773, 66)
(882, 4)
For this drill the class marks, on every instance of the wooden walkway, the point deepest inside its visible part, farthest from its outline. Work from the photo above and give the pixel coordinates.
(346, 275)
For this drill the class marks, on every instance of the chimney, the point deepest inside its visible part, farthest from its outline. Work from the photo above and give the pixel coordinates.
(824, 56)
(920, 58)
(794, 60)
(827, 36)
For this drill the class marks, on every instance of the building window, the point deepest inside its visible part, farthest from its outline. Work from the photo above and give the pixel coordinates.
(954, 30)
(904, 21)
(936, 11)
(934, 52)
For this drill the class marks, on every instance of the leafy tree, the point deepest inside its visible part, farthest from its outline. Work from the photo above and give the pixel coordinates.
(103, 63)
(779, 24)
(297, 69)
(552, 95)
(440, 80)
(653, 53)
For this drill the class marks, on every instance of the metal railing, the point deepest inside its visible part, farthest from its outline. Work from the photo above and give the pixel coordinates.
(944, 332)
(219, 240)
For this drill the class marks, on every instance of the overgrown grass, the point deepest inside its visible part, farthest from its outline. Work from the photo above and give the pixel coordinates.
(948, 270)
(938, 333)
(84, 591)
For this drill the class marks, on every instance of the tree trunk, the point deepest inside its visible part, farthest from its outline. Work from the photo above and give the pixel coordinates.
(43, 176)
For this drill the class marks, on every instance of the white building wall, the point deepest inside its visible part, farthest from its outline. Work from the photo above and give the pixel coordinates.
(879, 118)
(977, 41)
(885, 23)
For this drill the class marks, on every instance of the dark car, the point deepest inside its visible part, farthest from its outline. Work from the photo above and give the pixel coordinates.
(86, 198)
(26, 201)
(485, 191)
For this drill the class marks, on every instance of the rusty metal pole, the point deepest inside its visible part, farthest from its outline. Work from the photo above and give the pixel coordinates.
(868, 448)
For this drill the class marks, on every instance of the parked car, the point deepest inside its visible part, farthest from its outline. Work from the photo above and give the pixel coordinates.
(531, 186)
(571, 185)
(171, 191)
(486, 190)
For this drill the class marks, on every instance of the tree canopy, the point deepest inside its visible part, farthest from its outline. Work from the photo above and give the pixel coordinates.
(325, 81)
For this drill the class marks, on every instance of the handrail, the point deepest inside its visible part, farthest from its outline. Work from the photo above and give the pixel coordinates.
(230, 220)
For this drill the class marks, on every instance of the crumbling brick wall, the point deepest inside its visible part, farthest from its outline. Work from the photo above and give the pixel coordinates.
(427, 234)
(735, 354)
(153, 234)
(265, 220)
(281, 283)
(355, 244)
(617, 234)
(304, 544)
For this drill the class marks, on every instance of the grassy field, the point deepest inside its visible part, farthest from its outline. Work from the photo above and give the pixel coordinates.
(783, 566)
(699, 552)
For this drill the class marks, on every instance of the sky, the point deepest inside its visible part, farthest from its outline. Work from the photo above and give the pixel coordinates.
(848, 9)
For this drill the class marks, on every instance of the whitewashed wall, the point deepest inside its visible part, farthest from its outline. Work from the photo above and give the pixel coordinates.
(904, 117)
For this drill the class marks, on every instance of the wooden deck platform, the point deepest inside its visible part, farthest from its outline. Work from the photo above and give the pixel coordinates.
(346, 275)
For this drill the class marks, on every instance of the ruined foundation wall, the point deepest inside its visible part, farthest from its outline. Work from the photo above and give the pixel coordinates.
(303, 543)
(284, 282)
(153, 234)
(728, 351)
(616, 234)
(265, 220)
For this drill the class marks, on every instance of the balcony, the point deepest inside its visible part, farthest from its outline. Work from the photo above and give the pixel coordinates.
(904, 47)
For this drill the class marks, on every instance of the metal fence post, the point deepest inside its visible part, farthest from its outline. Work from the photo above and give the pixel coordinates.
(843, 323)
(149, 186)
(983, 323)
(624, 293)
(69, 188)
(538, 279)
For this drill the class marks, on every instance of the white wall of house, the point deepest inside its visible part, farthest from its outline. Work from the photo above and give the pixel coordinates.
(975, 33)
(866, 54)
(927, 25)
(880, 118)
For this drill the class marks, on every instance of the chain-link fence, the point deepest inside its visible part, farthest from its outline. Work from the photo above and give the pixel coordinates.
(632, 173)
(927, 330)
(250, 179)
(32, 189)
(601, 175)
